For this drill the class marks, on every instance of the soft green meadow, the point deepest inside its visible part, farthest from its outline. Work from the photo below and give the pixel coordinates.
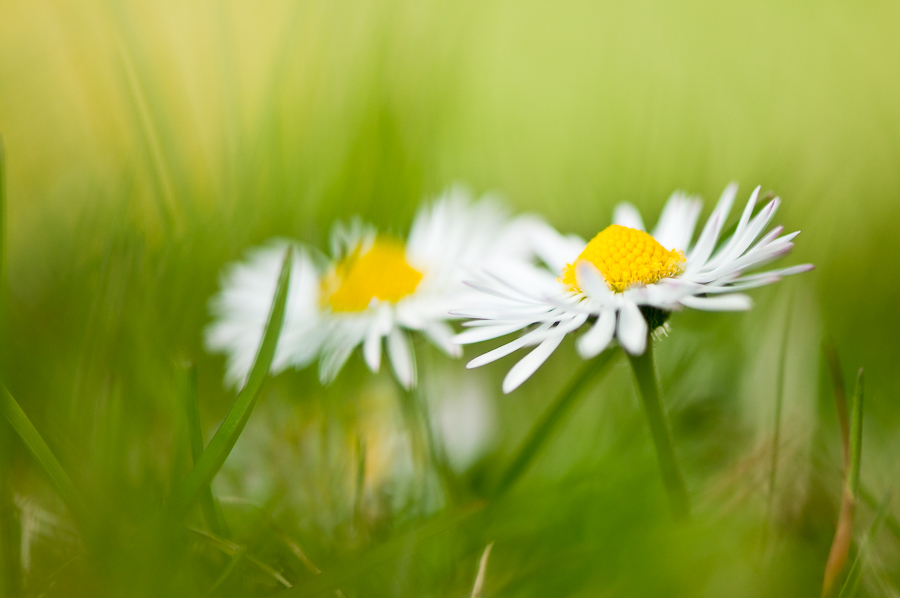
(148, 144)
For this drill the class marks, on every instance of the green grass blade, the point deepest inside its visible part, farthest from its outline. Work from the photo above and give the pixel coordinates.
(856, 434)
(544, 428)
(220, 446)
(35, 443)
(190, 401)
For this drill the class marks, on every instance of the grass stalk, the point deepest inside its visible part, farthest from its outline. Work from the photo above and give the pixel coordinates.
(644, 370)
(551, 418)
(223, 441)
(190, 402)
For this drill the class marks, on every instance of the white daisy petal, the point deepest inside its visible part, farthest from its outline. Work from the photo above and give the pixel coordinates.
(401, 358)
(733, 302)
(741, 227)
(372, 349)
(632, 329)
(677, 222)
(707, 241)
(591, 280)
(332, 361)
(554, 249)
(625, 214)
(529, 364)
(477, 335)
(595, 340)
(739, 243)
(532, 338)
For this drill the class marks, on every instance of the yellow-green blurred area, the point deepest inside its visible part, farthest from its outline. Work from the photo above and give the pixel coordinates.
(148, 144)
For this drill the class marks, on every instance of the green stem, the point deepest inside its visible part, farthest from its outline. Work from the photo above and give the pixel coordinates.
(551, 418)
(648, 389)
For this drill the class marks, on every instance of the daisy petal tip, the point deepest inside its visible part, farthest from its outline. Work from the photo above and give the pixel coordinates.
(509, 386)
(586, 351)
(475, 363)
(636, 347)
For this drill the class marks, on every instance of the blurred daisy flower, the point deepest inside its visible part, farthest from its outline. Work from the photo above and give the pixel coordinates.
(371, 291)
(625, 281)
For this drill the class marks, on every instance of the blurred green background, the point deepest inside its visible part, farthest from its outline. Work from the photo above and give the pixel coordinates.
(150, 143)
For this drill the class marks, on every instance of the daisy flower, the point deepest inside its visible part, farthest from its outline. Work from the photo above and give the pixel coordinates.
(372, 290)
(625, 281)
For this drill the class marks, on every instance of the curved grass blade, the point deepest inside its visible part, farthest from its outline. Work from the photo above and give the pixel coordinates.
(45, 457)
(220, 446)
(551, 418)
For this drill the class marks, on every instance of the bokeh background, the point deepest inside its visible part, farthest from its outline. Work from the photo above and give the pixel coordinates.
(148, 144)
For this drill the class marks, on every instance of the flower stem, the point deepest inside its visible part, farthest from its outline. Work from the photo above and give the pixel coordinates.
(648, 389)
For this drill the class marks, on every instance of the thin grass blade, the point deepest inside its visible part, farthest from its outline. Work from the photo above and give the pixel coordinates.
(220, 446)
(41, 452)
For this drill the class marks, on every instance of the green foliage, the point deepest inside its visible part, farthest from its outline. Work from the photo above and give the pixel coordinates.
(148, 144)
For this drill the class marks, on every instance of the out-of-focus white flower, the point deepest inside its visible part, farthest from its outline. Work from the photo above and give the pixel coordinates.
(621, 278)
(374, 287)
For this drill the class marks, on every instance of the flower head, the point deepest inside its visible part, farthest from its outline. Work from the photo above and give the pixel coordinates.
(371, 291)
(625, 281)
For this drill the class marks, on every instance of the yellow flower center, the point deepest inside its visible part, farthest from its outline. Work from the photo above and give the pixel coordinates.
(381, 272)
(625, 257)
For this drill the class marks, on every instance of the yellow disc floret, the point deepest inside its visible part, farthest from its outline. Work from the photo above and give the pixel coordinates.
(378, 272)
(625, 257)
